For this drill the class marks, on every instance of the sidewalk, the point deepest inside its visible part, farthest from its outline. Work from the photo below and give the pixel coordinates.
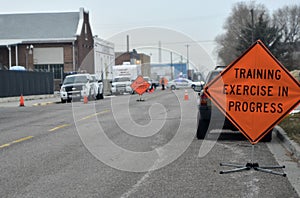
(289, 144)
(286, 153)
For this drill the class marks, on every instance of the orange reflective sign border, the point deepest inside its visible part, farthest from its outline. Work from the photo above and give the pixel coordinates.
(140, 85)
(255, 92)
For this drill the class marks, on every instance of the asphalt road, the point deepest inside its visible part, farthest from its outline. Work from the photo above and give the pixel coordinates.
(119, 147)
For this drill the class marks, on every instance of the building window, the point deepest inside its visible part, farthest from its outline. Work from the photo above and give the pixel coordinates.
(56, 69)
(41, 68)
(85, 31)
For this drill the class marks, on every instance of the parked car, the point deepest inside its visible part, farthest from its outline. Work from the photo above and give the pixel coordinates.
(182, 83)
(77, 86)
(17, 68)
(205, 119)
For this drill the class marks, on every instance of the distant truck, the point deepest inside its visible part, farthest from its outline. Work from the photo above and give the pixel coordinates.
(127, 70)
(123, 76)
(121, 85)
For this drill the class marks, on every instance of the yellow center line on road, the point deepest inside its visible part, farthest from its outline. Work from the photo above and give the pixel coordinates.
(22, 139)
(59, 127)
(93, 115)
(53, 129)
(16, 141)
(4, 145)
(43, 103)
(87, 117)
(84, 118)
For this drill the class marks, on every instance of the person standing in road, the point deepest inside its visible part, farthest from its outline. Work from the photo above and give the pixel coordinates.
(162, 84)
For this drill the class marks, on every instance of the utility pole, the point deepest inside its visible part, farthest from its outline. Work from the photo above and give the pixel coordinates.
(127, 39)
(252, 22)
(171, 56)
(159, 51)
(187, 61)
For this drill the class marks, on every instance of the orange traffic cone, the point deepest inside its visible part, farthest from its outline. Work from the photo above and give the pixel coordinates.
(151, 90)
(85, 100)
(186, 96)
(22, 101)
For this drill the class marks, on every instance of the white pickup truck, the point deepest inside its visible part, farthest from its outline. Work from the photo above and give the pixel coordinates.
(121, 85)
(77, 86)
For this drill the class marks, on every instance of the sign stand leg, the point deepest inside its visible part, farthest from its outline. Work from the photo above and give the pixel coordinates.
(140, 100)
(251, 165)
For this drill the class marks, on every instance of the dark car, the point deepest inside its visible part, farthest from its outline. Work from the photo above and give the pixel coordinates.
(209, 116)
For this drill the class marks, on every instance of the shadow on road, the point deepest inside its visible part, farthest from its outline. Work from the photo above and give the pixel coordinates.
(227, 135)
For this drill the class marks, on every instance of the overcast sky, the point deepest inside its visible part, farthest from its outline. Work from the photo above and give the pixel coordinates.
(198, 20)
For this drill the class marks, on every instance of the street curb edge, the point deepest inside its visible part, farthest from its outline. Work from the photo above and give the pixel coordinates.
(289, 144)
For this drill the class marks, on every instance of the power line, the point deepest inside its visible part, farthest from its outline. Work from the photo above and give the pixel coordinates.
(173, 43)
(160, 20)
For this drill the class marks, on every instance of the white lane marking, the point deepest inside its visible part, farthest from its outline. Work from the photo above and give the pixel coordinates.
(140, 182)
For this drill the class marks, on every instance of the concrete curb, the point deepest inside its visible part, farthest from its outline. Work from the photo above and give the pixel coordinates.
(289, 144)
(45, 103)
(27, 98)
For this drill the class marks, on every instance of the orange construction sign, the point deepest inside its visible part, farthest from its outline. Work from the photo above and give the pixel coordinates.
(140, 85)
(255, 92)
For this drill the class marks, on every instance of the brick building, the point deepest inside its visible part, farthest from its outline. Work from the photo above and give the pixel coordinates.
(56, 42)
(135, 58)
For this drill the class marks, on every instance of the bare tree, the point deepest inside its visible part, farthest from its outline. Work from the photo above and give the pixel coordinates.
(281, 33)
(238, 30)
(288, 20)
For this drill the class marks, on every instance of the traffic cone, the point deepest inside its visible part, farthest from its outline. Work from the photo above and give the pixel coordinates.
(186, 96)
(85, 100)
(22, 101)
(151, 90)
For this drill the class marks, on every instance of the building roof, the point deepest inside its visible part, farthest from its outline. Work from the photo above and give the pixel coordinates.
(40, 26)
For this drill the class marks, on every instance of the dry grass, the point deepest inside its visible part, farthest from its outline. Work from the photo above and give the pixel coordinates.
(291, 125)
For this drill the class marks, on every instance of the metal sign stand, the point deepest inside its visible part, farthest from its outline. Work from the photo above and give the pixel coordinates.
(140, 100)
(251, 165)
